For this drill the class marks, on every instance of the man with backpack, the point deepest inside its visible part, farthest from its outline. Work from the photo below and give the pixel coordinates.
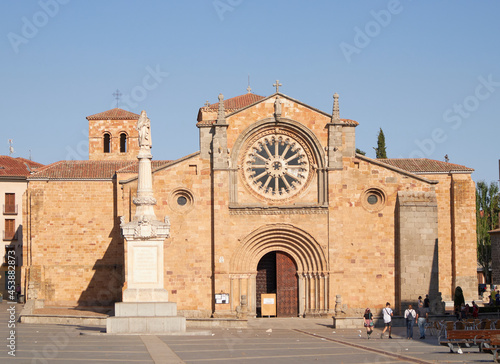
(411, 318)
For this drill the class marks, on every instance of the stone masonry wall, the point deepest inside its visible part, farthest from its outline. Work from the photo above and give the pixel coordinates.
(362, 237)
(417, 245)
(464, 234)
(495, 257)
(74, 243)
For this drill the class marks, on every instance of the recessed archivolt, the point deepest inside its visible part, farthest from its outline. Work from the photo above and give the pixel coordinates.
(302, 247)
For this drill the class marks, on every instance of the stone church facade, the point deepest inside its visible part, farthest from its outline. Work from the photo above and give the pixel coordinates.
(275, 201)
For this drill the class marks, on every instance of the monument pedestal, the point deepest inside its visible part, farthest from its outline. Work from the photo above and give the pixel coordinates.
(145, 318)
(145, 308)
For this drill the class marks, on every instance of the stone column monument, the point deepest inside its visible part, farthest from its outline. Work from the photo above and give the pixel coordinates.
(145, 307)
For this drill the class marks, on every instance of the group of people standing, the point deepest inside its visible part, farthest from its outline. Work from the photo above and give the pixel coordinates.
(412, 317)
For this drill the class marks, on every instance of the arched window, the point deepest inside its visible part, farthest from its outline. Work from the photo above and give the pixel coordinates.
(123, 143)
(107, 143)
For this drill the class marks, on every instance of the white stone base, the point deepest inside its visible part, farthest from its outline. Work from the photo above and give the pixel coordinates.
(145, 318)
(145, 295)
(145, 325)
(156, 309)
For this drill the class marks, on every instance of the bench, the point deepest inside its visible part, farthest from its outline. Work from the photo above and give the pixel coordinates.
(493, 346)
(471, 337)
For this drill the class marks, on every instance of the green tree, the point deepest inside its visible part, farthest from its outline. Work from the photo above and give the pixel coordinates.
(380, 151)
(487, 208)
(359, 151)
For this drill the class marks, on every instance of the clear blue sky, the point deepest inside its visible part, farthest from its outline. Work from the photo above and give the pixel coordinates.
(426, 72)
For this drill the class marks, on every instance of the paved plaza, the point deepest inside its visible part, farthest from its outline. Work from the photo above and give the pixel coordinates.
(267, 340)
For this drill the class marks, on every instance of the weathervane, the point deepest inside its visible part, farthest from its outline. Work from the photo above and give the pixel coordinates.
(117, 94)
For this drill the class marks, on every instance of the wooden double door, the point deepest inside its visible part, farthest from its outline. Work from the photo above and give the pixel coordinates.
(277, 273)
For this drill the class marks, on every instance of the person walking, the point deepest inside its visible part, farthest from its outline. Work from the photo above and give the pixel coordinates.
(411, 318)
(387, 311)
(422, 315)
(368, 322)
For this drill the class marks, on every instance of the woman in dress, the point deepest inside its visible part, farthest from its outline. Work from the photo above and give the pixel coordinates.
(368, 322)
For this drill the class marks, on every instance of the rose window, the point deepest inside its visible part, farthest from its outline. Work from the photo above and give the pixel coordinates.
(276, 166)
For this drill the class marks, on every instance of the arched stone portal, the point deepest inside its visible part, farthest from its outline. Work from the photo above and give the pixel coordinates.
(302, 248)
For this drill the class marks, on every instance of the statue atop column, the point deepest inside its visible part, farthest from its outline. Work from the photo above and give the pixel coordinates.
(144, 128)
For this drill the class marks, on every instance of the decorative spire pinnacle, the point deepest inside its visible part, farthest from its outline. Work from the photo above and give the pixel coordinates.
(221, 115)
(336, 110)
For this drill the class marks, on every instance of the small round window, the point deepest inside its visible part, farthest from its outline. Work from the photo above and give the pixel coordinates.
(373, 199)
(181, 200)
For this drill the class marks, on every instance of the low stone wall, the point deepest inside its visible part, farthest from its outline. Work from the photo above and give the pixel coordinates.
(211, 323)
(65, 320)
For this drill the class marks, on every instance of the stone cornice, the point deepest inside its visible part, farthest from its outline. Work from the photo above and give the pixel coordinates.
(277, 210)
(72, 179)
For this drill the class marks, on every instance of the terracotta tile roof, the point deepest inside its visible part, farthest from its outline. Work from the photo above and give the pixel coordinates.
(237, 102)
(81, 170)
(114, 114)
(205, 122)
(424, 165)
(17, 167)
(350, 121)
(134, 168)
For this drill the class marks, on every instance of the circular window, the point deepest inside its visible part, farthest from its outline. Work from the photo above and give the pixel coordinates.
(181, 200)
(373, 199)
(277, 165)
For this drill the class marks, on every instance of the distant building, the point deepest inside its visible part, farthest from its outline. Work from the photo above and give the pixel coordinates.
(275, 201)
(13, 183)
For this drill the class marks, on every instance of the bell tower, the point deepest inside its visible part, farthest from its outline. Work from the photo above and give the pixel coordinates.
(113, 135)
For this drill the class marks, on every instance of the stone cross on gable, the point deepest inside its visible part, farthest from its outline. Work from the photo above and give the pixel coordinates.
(207, 104)
(277, 85)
